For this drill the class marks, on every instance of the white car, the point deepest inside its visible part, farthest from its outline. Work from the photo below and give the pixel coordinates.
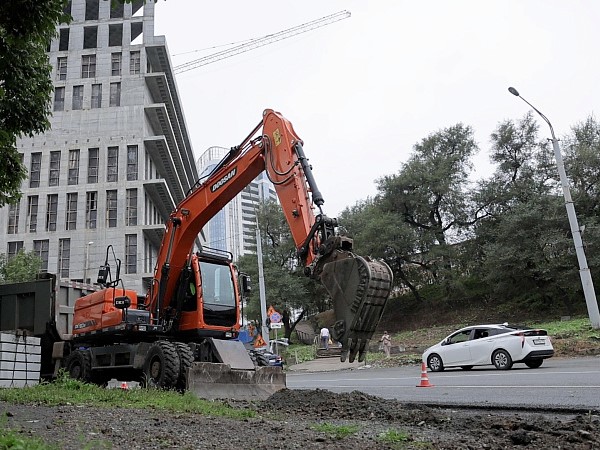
(480, 345)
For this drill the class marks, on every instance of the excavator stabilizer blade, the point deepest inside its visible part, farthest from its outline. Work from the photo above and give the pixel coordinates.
(359, 288)
(214, 381)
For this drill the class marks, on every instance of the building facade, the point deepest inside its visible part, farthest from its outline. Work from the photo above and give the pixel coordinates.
(117, 159)
(233, 229)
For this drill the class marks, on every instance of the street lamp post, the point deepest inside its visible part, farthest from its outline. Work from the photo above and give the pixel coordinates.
(87, 258)
(584, 271)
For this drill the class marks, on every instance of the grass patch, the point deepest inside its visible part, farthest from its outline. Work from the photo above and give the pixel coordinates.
(66, 391)
(299, 353)
(10, 440)
(336, 431)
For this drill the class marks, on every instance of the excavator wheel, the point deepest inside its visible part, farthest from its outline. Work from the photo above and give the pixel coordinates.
(186, 358)
(162, 365)
(79, 365)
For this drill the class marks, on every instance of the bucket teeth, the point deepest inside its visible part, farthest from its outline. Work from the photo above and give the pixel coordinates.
(359, 288)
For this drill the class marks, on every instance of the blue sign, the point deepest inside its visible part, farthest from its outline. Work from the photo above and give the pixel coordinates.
(275, 317)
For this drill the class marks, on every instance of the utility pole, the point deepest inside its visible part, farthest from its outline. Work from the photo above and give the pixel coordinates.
(264, 328)
(584, 270)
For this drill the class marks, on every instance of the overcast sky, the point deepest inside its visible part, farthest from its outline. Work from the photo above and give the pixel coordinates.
(362, 91)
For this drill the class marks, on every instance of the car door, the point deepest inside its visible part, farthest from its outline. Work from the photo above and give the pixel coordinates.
(481, 346)
(456, 349)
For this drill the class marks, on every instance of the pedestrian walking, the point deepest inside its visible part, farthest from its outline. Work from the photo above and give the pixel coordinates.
(325, 338)
(386, 340)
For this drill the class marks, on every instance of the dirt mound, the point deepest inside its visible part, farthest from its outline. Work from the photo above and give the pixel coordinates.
(306, 420)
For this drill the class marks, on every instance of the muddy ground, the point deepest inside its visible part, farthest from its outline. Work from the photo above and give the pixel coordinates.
(306, 419)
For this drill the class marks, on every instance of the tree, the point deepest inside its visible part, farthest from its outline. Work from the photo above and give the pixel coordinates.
(24, 266)
(26, 29)
(524, 247)
(381, 234)
(582, 164)
(288, 290)
(430, 194)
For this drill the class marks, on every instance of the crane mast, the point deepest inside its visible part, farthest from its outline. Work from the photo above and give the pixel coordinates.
(262, 41)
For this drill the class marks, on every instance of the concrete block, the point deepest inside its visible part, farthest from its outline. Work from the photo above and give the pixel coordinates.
(19, 339)
(18, 383)
(20, 348)
(26, 366)
(19, 375)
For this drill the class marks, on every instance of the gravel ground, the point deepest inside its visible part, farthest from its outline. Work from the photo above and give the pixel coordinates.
(294, 419)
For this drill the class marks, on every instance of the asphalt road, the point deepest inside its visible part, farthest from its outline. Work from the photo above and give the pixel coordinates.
(559, 383)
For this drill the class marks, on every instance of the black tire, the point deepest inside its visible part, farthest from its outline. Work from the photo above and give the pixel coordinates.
(186, 358)
(534, 363)
(502, 360)
(466, 367)
(435, 363)
(161, 368)
(79, 365)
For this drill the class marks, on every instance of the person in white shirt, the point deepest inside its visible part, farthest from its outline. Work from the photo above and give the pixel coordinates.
(325, 338)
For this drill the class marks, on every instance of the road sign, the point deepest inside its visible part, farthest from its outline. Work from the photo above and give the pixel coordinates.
(276, 325)
(275, 317)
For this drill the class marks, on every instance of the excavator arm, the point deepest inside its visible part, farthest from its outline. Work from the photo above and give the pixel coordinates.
(359, 287)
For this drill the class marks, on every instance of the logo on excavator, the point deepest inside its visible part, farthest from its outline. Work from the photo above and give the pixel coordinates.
(277, 136)
(228, 176)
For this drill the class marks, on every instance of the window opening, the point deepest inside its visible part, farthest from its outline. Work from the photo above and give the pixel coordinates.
(59, 99)
(35, 169)
(51, 210)
(112, 164)
(111, 209)
(32, 213)
(93, 161)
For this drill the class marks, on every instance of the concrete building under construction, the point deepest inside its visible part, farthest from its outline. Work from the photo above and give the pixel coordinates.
(118, 156)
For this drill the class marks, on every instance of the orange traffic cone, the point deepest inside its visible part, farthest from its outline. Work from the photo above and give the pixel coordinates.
(424, 380)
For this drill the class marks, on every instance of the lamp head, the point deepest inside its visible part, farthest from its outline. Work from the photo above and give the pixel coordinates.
(513, 91)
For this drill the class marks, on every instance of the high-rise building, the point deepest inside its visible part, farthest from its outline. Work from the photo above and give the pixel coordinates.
(117, 158)
(233, 228)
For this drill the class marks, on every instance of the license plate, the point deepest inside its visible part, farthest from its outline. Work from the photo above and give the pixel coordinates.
(539, 341)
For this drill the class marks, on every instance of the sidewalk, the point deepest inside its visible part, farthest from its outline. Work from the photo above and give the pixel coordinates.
(325, 365)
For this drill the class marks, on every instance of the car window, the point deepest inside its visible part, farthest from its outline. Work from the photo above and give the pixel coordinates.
(459, 337)
(481, 333)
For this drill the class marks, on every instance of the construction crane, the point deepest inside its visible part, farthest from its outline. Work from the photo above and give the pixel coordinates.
(261, 42)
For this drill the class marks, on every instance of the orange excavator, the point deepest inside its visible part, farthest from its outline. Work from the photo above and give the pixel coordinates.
(181, 334)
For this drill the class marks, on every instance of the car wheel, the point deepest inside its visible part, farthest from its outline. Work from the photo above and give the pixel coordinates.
(502, 360)
(435, 363)
(534, 363)
(466, 367)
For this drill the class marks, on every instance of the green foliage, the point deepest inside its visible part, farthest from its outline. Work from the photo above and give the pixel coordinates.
(26, 28)
(286, 287)
(393, 437)
(336, 431)
(11, 440)
(299, 353)
(65, 391)
(24, 266)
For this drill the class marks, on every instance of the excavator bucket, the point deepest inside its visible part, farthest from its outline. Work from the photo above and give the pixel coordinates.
(359, 288)
(234, 375)
(214, 381)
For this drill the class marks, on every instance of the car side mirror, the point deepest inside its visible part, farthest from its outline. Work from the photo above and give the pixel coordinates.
(246, 284)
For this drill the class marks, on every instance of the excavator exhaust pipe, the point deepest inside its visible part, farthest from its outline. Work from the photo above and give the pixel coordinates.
(359, 288)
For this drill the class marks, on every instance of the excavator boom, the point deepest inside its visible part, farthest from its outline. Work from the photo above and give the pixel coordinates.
(359, 287)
